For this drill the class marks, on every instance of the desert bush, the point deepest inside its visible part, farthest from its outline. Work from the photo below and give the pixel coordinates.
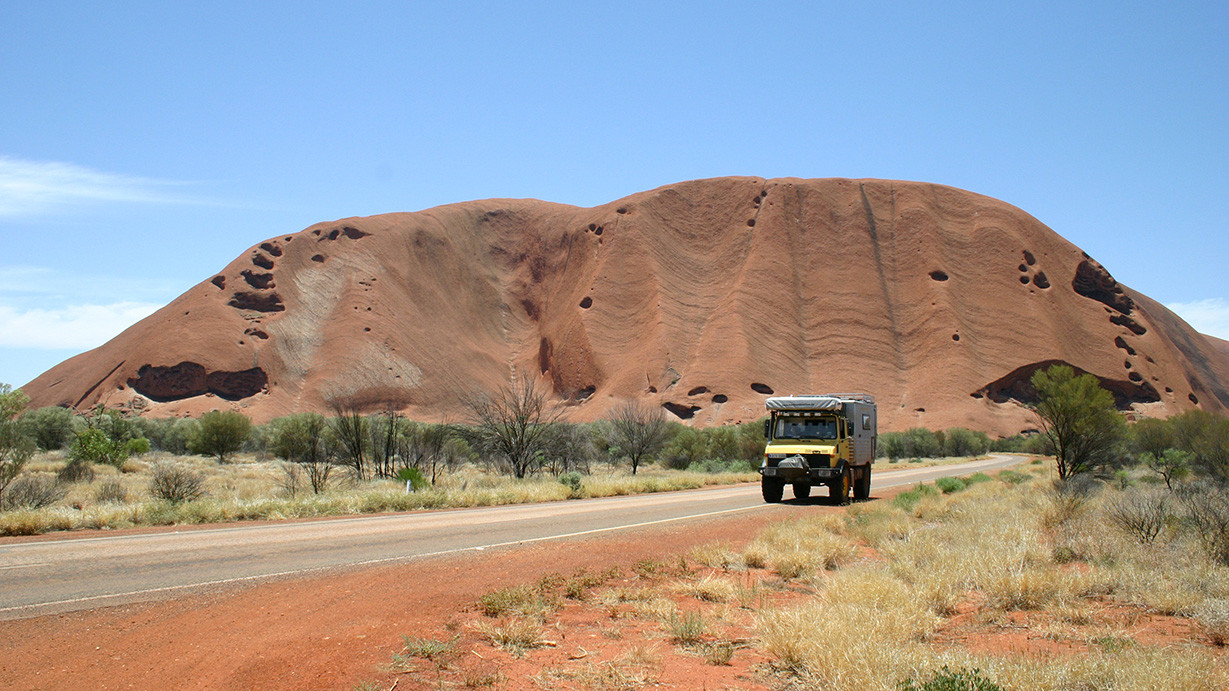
(908, 499)
(428, 648)
(891, 445)
(710, 589)
(1013, 477)
(1172, 465)
(687, 628)
(1140, 513)
(524, 600)
(50, 427)
(306, 439)
(76, 471)
(1070, 497)
(516, 634)
(111, 491)
(1205, 436)
(918, 442)
(1008, 444)
(959, 441)
(31, 492)
(175, 483)
(946, 679)
(576, 486)
(716, 465)
(220, 433)
(687, 446)
(16, 447)
(107, 438)
(1206, 508)
(948, 485)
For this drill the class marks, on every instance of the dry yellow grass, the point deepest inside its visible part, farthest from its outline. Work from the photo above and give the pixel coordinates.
(259, 489)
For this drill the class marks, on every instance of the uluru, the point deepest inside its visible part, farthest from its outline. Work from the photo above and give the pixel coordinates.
(702, 297)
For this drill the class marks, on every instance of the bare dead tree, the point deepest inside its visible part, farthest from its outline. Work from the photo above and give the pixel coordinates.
(637, 430)
(512, 425)
(385, 430)
(350, 429)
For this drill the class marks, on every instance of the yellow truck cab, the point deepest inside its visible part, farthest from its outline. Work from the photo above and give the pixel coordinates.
(826, 439)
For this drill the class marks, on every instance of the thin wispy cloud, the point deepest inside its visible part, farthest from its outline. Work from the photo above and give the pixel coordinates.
(30, 188)
(1210, 316)
(77, 327)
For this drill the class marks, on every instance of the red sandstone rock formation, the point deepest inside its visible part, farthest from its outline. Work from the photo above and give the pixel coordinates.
(703, 297)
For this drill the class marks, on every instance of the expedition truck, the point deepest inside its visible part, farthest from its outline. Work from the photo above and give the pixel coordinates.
(813, 440)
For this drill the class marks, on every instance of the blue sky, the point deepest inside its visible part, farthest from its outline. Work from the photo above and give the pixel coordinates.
(143, 145)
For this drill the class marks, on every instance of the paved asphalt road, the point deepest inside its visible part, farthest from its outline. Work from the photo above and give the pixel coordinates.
(83, 573)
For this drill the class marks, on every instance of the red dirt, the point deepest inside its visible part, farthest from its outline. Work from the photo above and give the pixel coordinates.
(323, 632)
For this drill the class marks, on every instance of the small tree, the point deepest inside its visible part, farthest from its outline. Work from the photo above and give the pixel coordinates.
(638, 430)
(1079, 418)
(220, 433)
(512, 425)
(1206, 437)
(1152, 436)
(1170, 466)
(50, 427)
(107, 438)
(15, 446)
(306, 440)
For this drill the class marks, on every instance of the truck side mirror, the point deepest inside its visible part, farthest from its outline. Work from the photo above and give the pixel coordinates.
(767, 427)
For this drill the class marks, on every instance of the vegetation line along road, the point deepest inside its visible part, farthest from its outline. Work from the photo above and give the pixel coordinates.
(74, 573)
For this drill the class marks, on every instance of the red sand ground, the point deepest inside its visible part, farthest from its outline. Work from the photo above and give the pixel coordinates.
(323, 632)
(343, 629)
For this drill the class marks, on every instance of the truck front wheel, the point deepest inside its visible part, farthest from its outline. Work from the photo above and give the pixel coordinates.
(802, 490)
(838, 491)
(772, 489)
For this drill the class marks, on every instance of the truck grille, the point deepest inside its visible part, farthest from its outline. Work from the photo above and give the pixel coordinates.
(814, 460)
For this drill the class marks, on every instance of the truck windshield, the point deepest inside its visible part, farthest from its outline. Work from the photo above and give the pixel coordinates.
(805, 428)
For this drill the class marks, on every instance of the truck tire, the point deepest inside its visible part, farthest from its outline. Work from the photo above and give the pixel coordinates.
(838, 490)
(772, 489)
(802, 490)
(862, 486)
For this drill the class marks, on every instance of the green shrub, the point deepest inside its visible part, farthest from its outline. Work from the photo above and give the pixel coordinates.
(714, 465)
(909, 499)
(220, 433)
(1012, 477)
(947, 485)
(576, 486)
(1008, 444)
(891, 446)
(107, 438)
(959, 441)
(947, 679)
(50, 427)
(976, 478)
(921, 443)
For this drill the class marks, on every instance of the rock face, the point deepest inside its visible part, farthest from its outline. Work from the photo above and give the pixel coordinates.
(702, 297)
